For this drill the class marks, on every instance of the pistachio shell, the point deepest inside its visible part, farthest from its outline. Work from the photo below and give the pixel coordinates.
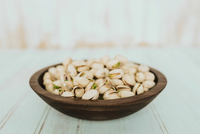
(65, 77)
(105, 86)
(82, 68)
(123, 88)
(96, 65)
(129, 79)
(145, 89)
(113, 64)
(67, 94)
(91, 95)
(149, 76)
(60, 68)
(105, 59)
(111, 94)
(100, 73)
(117, 82)
(124, 94)
(68, 85)
(87, 74)
(121, 59)
(49, 87)
(56, 91)
(81, 81)
(138, 88)
(67, 61)
(89, 62)
(106, 72)
(89, 86)
(131, 65)
(148, 84)
(140, 77)
(47, 75)
(93, 71)
(132, 71)
(78, 91)
(143, 68)
(76, 63)
(125, 68)
(71, 70)
(57, 83)
(116, 73)
(47, 81)
(52, 71)
(99, 81)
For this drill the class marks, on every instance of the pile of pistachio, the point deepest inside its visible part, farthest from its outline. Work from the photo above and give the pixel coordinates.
(94, 79)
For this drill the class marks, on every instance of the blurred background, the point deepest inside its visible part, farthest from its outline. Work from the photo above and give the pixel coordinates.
(41, 24)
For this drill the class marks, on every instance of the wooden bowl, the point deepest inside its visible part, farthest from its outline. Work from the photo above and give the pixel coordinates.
(97, 109)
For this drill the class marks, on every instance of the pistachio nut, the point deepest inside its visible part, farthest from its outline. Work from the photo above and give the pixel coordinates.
(47, 75)
(56, 91)
(111, 94)
(81, 66)
(67, 94)
(91, 95)
(148, 84)
(91, 85)
(128, 79)
(100, 73)
(140, 77)
(116, 73)
(105, 86)
(87, 74)
(52, 71)
(99, 81)
(47, 81)
(57, 84)
(89, 62)
(125, 68)
(113, 64)
(121, 59)
(132, 71)
(106, 72)
(78, 91)
(138, 88)
(123, 88)
(117, 82)
(71, 70)
(145, 89)
(131, 65)
(67, 61)
(67, 85)
(49, 87)
(143, 68)
(96, 65)
(60, 68)
(93, 71)
(105, 59)
(76, 63)
(65, 77)
(149, 76)
(81, 81)
(124, 94)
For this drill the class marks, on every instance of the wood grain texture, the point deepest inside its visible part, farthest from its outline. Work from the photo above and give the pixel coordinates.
(175, 110)
(98, 109)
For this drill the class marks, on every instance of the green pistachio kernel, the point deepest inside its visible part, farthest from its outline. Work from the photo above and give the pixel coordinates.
(111, 75)
(116, 65)
(60, 90)
(56, 87)
(94, 86)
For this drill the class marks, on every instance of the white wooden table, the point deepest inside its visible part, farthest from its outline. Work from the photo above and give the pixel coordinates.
(176, 110)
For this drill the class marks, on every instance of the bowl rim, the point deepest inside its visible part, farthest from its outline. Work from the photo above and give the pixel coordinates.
(34, 84)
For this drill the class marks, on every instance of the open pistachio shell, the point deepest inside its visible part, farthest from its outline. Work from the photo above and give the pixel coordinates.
(113, 64)
(67, 94)
(99, 81)
(123, 88)
(65, 77)
(67, 85)
(121, 59)
(56, 91)
(96, 65)
(93, 71)
(52, 71)
(132, 71)
(129, 79)
(81, 81)
(49, 87)
(47, 75)
(124, 94)
(100, 73)
(71, 70)
(138, 88)
(91, 95)
(117, 82)
(47, 81)
(111, 94)
(87, 74)
(60, 68)
(78, 91)
(105, 87)
(57, 83)
(116, 73)
(78, 63)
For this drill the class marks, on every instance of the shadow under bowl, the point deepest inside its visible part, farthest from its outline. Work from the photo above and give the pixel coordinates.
(97, 109)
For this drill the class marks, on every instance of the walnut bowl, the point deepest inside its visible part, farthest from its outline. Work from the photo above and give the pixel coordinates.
(97, 109)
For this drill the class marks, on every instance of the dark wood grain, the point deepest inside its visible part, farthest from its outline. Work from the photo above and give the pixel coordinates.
(97, 109)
